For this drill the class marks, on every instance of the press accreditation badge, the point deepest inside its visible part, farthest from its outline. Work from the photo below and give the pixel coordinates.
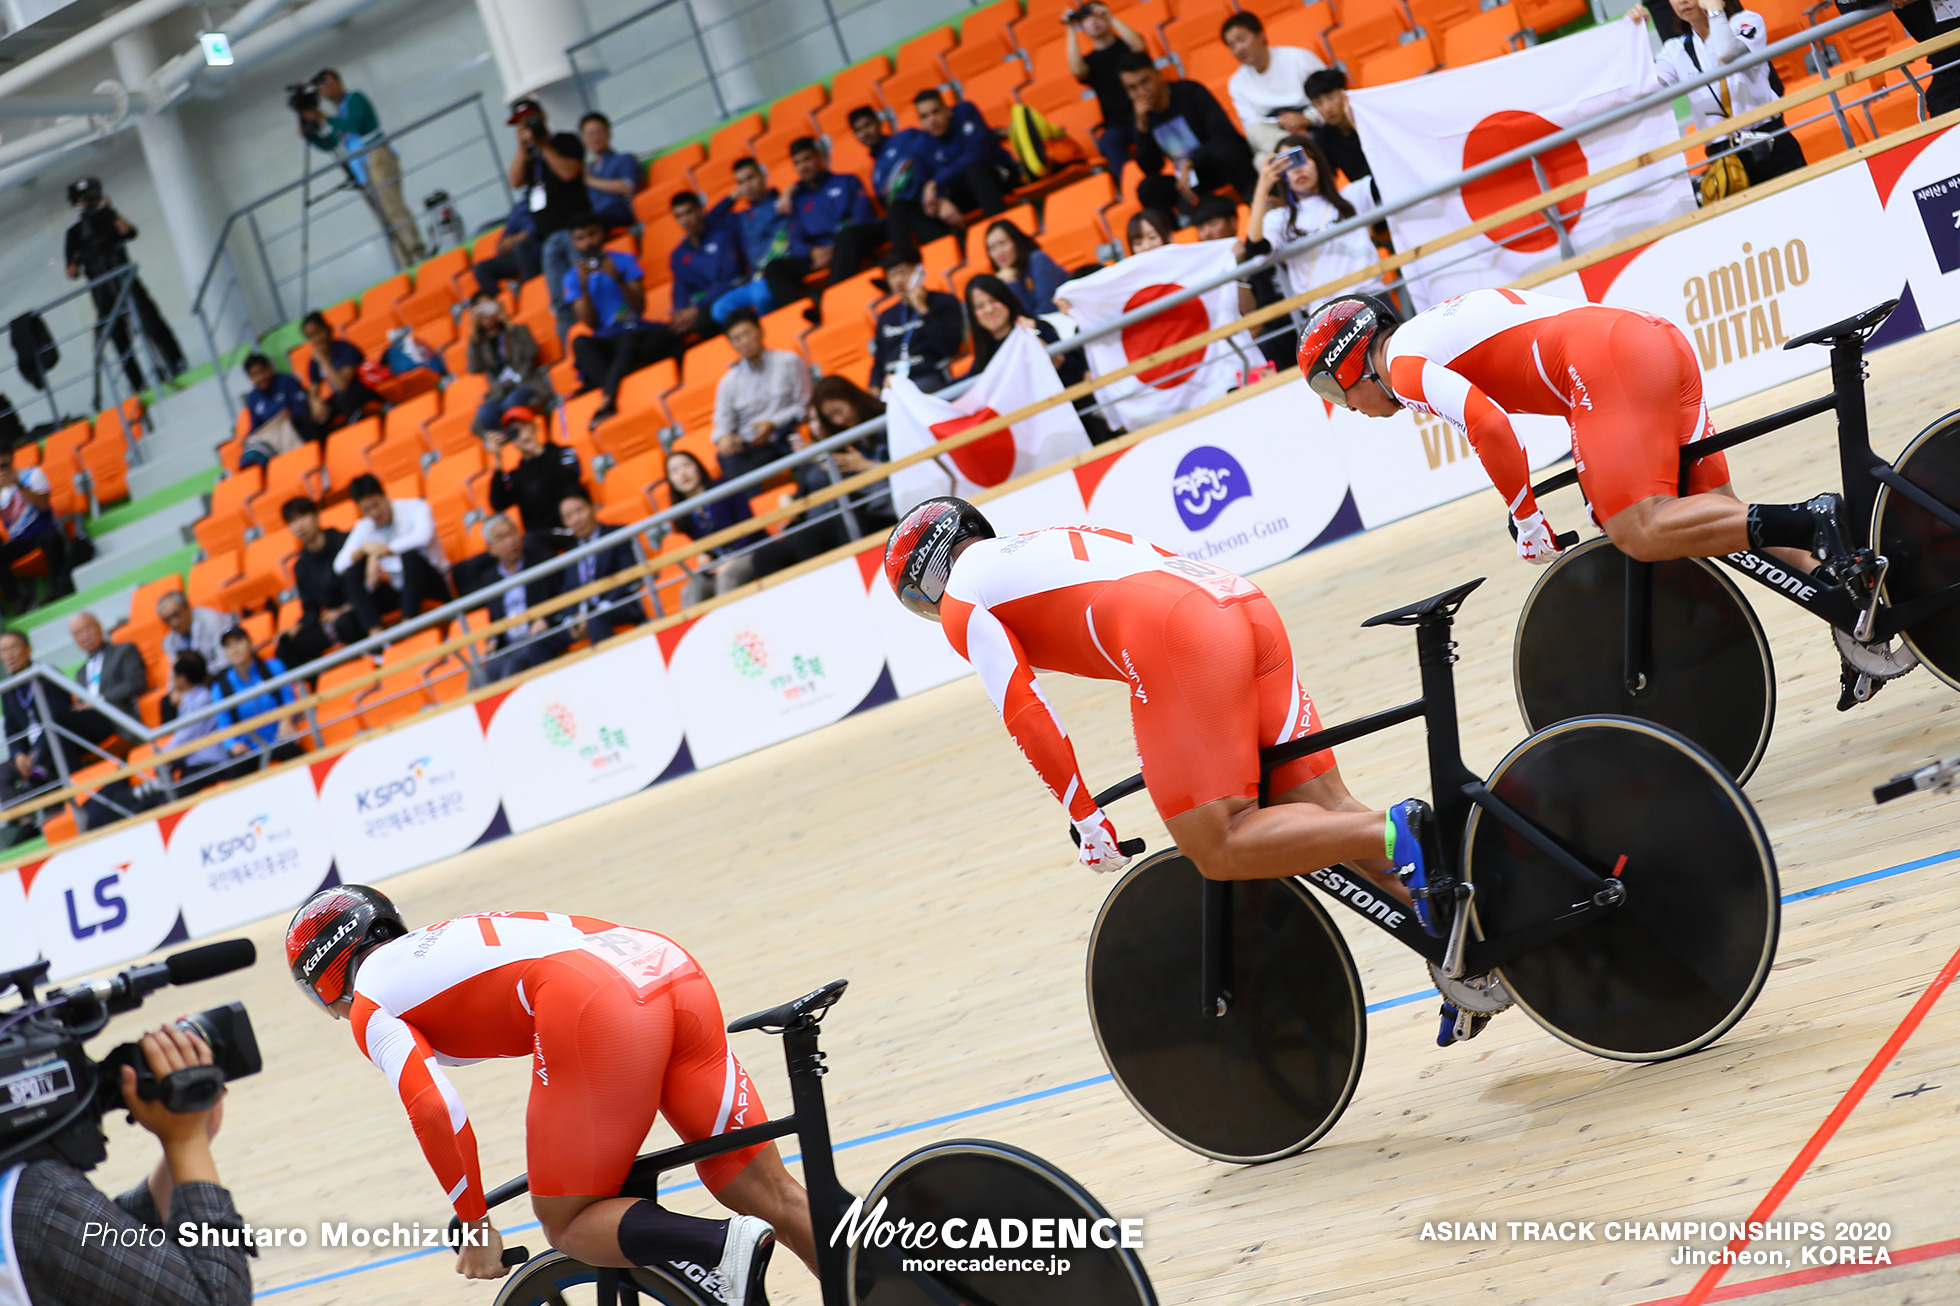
(537, 199)
(1946, 10)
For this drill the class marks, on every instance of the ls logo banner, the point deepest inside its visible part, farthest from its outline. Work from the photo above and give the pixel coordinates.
(1207, 479)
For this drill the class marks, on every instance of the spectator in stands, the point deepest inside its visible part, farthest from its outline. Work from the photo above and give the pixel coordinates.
(327, 614)
(1269, 88)
(27, 515)
(605, 614)
(721, 568)
(113, 673)
(275, 395)
(1216, 218)
(608, 294)
(920, 335)
(1110, 38)
(762, 228)
(898, 177)
(966, 168)
(1297, 197)
(759, 399)
(707, 264)
(833, 227)
(1183, 124)
(993, 309)
(612, 179)
(26, 767)
(545, 473)
(1924, 20)
(345, 125)
(548, 169)
(29, 739)
(1148, 229)
(508, 552)
(392, 558)
(336, 366)
(1714, 34)
(245, 670)
(1021, 264)
(505, 353)
(191, 630)
(1336, 136)
(517, 257)
(190, 692)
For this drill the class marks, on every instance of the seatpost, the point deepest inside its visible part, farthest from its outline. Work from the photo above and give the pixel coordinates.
(1639, 605)
(1215, 949)
(1855, 456)
(1436, 655)
(827, 1197)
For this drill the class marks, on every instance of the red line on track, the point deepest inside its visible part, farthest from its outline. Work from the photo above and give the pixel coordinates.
(1839, 1114)
(1798, 1278)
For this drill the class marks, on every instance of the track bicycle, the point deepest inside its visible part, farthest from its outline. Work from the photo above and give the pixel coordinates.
(1676, 644)
(1608, 876)
(970, 1179)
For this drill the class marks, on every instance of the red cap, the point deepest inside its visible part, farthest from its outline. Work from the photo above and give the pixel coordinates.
(518, 415)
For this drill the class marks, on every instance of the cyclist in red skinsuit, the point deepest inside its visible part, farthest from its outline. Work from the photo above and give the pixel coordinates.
(619, 1023)
(1627, 382)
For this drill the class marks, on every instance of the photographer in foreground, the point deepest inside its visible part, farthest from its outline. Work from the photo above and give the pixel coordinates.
(70, 1243)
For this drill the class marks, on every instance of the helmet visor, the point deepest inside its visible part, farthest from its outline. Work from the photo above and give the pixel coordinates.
(314, 993)
(1329, 389)
(913, 595)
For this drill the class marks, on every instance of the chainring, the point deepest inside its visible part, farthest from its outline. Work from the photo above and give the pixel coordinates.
(1880, 659)
(1482, 995)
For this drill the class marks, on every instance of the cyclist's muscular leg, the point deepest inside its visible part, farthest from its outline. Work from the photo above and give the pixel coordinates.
(764, 1189)
(1706, 525)
(589, 1229)
(1314, 824)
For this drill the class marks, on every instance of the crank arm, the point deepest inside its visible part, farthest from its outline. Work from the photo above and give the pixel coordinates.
(1592, 881)
(1459, 931)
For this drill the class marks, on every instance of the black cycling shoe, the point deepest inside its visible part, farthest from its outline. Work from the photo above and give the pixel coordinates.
(1827, 533)
(1855, 687)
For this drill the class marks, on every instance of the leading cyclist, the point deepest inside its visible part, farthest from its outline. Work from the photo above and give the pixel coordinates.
(620, 1023)
(1212, 681)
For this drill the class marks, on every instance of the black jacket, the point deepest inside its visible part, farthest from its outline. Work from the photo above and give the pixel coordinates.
(319, 585)
(614, 558)
(932, 340)
(536, 486)
(481, 572)
(124, 677)
(1220, 146)
(94, 245)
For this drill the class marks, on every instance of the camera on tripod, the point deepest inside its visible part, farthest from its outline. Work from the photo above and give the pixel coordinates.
(303, 97)
(53, 1096)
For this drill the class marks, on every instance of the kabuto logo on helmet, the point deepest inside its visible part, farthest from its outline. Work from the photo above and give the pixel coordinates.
(1361, 322)
(324, 950)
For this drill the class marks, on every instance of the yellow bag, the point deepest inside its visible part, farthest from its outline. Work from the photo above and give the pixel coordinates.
(1724, 176)
(1038, 145)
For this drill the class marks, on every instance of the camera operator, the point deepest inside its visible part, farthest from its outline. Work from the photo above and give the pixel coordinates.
(96, 246)
(549, 175)
(339, 119)
(70, 1244)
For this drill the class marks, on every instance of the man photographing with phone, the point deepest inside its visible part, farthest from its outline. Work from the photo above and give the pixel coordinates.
(607, 292)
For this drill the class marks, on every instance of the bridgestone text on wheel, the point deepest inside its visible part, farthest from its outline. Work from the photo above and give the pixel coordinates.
(1272, 1075)
(1924, 552)
(1679, 962)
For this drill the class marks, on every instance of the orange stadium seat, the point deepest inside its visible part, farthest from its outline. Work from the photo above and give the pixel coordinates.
(1302, 27)
(1186, 35)
(431, 303)
(61, 460)
(378, 300)
(732, 139)
(992, 92)
(447, 479)
(398, 458)
(338, 717)
(295, 472)
(205, 587)
(369, 335)
(220, 533)
(783, 327)
(623, 495)
(858, 84)
(263, 574)
(985, 41)
(339, 315)
(1412, 59)
(1438, 16)
(347, 454)
(1353, 44)
(229, 496)
(1074, 229)
(444, 266)
(406, 418)
(917, 68)
(1487, 36)
(143, 604)
(1546, 16)
(107, 465)
(676, 162)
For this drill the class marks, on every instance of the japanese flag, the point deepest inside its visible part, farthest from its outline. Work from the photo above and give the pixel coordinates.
(1418, 131)
(1019, 374)
(1174, 385)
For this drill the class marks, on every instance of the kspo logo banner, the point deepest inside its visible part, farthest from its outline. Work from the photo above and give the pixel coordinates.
(408, 797)
(249, 852)
(103, 901)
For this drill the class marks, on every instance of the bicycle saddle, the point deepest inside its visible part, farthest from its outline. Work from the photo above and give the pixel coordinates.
(777, 1019)
(1862, 324)
(1437, 607)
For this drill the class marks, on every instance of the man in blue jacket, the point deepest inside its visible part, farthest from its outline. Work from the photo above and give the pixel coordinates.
(897, 177)
(831, 226)
(707, 264)
(966, 167)
(762, 227)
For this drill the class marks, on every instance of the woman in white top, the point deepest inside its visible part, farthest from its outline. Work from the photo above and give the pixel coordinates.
(1296, 197)
(1718, 34)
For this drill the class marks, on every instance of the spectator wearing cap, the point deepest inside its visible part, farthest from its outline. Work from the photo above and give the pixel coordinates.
(1182, 124)
(1268, 88)
(245, 671)
(392, 558)
(509, 551)
(707, 264)
(612, 179)
(832, 226)
(1336, 135)
(517, 258)
(762, 228)
(327, 613)
(608, 294)
(919, 336)
(548, 173)
(1100, 70)
(545, 473)
(966, 168)
(611, 611)
(505, 354)
(759, 399)
(898, 177)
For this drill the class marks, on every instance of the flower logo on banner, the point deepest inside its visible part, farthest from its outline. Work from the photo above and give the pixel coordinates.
(1500, 133)
(987, 461)
(1206, 480)
(1161, 332)
(749, 653)
(560, 726)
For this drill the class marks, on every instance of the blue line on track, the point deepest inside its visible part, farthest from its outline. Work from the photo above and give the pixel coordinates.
(1025, 1098)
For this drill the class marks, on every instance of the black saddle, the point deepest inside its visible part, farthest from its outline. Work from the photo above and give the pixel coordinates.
(1859, 324)
(1437, 607)
(777, 1019)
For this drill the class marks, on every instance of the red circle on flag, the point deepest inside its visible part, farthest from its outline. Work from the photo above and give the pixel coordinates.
(1161, 332)
(1500, 133)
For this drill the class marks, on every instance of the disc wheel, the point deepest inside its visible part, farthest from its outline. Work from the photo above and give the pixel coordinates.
(1709, 673)
(1269, 1077)
(974, 1180)
(1680, 960)
(1924, 552)
(555, 1279)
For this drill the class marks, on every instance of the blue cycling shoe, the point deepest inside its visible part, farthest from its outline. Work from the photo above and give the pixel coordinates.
(1411, 846)
(1459, 1026)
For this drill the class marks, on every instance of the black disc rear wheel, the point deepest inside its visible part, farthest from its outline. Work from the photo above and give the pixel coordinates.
(1679, 962)
(1709, 673)
(555, 1279)
(1269, 1077)
(1924, 552)
(976, 1181)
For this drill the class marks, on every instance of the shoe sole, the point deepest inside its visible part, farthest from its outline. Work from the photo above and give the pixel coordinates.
(752, 1290)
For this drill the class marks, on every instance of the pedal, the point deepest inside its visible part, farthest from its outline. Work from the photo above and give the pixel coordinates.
(1855, 688)
(1458, 1026)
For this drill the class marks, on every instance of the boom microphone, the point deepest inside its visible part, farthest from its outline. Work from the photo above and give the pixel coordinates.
(126, 990)
(209, 961)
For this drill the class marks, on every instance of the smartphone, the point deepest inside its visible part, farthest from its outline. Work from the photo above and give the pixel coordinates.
(1294, 158)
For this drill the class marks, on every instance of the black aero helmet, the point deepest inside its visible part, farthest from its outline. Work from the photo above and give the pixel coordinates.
(330, 931)
(919, 555)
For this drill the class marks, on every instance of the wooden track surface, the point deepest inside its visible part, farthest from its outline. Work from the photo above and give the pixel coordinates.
(911, 850)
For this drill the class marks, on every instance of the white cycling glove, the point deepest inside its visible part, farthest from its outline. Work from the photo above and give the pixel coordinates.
(1537, 544)
(1099, 851)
